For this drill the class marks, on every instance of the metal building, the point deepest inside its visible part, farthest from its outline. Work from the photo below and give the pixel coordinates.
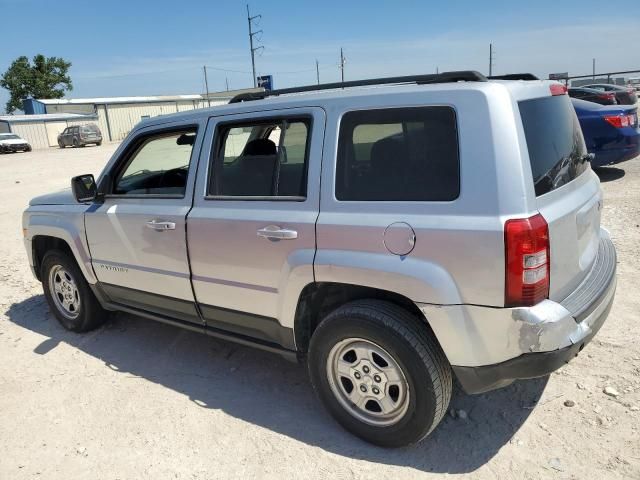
(41, 131)
(116, 116)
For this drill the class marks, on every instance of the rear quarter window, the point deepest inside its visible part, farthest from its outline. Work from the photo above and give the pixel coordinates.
(556, 147)
(398, 154)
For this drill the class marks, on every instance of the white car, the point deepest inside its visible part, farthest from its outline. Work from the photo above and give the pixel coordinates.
(10, 142)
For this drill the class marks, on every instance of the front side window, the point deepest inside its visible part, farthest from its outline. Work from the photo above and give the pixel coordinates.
(263, 159)
(159, 165)
(398, 154)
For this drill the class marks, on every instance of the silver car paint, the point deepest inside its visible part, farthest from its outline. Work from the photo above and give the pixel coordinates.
(232, 266)
(125, 252)
(455, 270)
(60, 221)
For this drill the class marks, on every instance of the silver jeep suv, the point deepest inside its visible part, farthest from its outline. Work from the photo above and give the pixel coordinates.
(394, 233)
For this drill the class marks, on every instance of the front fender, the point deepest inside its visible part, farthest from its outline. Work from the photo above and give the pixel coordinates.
(65, 222)
(417, 279)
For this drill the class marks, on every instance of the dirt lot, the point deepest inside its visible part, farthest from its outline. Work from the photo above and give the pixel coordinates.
(137, 399)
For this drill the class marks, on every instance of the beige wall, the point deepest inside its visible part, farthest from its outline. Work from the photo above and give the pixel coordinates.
(33, 132)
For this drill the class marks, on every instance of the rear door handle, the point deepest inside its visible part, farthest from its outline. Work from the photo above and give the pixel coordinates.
(274, 232)
(160, 226)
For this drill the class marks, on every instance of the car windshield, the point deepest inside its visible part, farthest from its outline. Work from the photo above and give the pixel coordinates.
(9, 137)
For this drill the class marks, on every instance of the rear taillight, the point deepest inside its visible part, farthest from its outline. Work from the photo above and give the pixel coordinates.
(620, 121)
(526, 244)
(557, 89)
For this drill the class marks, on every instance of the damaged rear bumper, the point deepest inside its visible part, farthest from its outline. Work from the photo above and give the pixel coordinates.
(489, 348)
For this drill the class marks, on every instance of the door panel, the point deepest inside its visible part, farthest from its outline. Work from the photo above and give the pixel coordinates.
(137, 238)
(235, 267)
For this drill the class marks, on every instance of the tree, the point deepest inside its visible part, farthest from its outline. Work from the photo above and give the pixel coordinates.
(45, 78)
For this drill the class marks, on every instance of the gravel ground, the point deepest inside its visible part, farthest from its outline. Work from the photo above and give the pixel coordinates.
(138, 399)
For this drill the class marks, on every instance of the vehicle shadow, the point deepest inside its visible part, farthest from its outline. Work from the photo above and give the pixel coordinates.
(270, 392)
(609, 174)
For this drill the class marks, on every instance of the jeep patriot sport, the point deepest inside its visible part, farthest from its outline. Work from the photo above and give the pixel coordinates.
(393, 233)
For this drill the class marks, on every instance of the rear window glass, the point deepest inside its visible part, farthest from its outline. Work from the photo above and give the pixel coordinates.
(554, 140)
(398, 154)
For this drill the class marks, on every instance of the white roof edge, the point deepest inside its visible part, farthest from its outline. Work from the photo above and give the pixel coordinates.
(50, 117)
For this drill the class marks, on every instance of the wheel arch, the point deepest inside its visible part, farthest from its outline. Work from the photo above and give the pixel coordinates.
(318, 299)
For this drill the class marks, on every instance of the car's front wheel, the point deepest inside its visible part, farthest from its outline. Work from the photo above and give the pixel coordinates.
(69, 295)
(380, 372)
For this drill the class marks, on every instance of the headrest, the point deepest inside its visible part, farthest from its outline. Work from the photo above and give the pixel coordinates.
(260, 146)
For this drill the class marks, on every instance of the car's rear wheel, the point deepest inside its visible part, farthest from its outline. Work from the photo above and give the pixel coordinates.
(69, 295)
(98, 144)
(380, 372)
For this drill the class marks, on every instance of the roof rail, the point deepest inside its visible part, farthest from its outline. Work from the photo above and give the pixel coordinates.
(445, 77)
(514, 76)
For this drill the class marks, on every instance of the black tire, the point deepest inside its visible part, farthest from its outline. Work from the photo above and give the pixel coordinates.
(410, 343)
(28, 149)
(90, 313)
(98, 144)
(60, 144)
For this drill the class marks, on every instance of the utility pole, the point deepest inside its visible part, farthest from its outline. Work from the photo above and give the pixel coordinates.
(317, 72)
(226, 79)
(437, 70)
(206, 84)
(342, 62)
(594, 69)
(252, 34)
(490, 59)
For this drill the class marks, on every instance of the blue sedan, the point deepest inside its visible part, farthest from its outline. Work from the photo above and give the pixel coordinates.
(610, 131)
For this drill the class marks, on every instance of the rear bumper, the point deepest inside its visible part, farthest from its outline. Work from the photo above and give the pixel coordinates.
(532, 365)
(627, 148)
(491, 347)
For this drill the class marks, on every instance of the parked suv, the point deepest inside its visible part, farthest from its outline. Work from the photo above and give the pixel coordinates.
(392, 236)
(80, 136)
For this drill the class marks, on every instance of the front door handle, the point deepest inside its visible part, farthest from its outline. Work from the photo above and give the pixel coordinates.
(274, 232)
(160, 226)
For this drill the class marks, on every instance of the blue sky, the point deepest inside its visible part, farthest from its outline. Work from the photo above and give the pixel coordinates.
(159, 47)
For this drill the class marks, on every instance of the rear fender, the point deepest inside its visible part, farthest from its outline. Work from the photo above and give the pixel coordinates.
(417, 279)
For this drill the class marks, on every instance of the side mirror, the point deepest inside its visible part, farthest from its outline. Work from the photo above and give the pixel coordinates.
(84, 188)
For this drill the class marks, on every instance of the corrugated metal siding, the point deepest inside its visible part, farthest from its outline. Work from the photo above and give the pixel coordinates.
(33, 132)
(4, 127)
(123, 117)
(82, 109)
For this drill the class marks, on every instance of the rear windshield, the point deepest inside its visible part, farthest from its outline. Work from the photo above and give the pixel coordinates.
(554, 140)
(89, 129)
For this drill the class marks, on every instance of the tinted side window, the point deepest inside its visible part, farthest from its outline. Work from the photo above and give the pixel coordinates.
(261, 159)
(556, 148)
(398, 154)
(158, 166)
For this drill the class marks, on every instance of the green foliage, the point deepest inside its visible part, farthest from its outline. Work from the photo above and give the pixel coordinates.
(44, 78)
